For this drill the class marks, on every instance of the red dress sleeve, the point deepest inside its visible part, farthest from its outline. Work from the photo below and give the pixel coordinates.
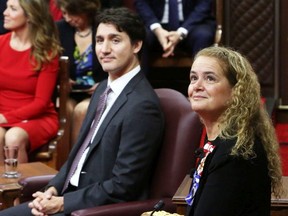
(42, 102)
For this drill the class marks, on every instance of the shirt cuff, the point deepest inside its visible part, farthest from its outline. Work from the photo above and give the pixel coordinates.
(154, 26)
(182, 31)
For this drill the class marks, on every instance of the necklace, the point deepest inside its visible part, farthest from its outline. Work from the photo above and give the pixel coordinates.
(84, 35)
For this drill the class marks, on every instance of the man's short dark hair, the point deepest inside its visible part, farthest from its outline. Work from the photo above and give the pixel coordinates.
(124, 20)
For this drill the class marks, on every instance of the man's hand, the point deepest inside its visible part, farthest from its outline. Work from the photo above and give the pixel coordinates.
(162, 36)
(174, 37)
(46, 203)
(48, 206)
(168, 40)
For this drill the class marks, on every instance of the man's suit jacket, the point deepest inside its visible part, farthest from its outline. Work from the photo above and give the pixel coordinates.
(194, 11)
(231, 186)
(66, 35)
(118, 164)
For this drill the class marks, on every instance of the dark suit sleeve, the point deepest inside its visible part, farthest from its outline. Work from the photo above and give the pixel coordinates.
(147, 12)
(200, 12)
(59, 179)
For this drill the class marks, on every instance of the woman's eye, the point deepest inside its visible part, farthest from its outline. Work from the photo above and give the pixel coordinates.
(210, 78)
(193, 78)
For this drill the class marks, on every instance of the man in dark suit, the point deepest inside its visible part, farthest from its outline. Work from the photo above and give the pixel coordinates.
(116, 166)
(188, 24)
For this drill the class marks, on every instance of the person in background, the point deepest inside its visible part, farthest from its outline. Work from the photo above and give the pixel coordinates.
(111, 3)
(187, 25)
(55, 11)
(118, 162)
(239, 164)
(29, 64)
(77, 36)
(2, 9)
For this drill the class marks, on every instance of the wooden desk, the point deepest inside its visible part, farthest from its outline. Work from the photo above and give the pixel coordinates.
(10, 189)
(279, 207)
(181, 193)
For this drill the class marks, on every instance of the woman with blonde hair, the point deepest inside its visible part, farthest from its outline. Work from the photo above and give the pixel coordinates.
(239, 165)
(28, 73)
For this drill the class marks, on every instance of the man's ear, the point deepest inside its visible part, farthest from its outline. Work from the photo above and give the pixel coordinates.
(137, 46)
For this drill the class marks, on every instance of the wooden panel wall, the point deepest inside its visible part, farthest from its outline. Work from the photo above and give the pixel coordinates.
(251, 27)
(259, 29)
(283, 54)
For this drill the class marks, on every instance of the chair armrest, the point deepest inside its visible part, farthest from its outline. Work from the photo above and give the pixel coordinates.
(127, 208)
(32, 184)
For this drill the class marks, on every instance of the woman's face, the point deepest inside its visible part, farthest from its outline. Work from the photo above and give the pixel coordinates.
(209, 89)
(77, 21)
(14, 16)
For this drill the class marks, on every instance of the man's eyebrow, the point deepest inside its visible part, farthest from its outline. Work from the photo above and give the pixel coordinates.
(109, 35)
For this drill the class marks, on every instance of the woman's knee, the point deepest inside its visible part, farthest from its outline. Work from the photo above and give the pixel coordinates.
(80, 109)
(16, 136)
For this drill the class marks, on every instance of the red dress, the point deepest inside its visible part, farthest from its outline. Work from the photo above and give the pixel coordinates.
(25, 95)
(55, 12)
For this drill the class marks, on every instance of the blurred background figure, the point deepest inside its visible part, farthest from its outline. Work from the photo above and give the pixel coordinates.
(111, 3)
(77, 36)
(55, 11)
(186, 25)
(29, 60)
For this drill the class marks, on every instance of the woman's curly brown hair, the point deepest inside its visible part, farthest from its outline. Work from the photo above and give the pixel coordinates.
(246, 118)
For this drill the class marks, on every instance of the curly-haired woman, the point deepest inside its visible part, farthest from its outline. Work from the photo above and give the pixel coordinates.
(239, 164)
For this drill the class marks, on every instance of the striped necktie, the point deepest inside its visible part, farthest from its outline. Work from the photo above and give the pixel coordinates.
(100, 109)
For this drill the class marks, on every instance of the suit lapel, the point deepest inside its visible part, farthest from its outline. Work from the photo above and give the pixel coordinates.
(118, 104)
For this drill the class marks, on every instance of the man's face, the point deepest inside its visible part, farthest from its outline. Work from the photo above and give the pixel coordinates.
(114, 50)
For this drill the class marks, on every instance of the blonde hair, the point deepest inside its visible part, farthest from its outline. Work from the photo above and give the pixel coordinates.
(42, 31)
(246, 118)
